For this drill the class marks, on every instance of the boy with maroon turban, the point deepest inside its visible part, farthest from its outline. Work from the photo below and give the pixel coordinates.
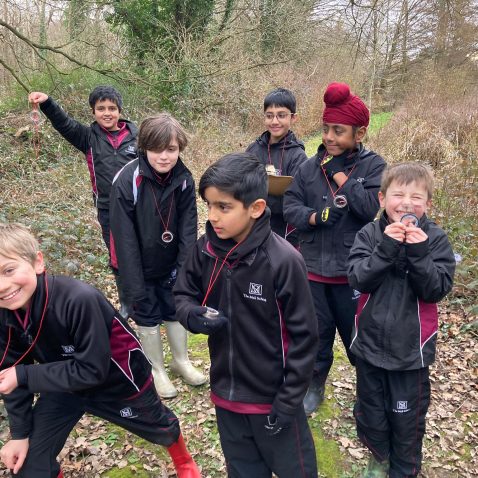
(332, 196)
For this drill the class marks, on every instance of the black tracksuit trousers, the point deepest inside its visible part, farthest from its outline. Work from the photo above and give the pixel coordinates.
(55, 415)
(251, 453)
(390, 415)
(335, 308)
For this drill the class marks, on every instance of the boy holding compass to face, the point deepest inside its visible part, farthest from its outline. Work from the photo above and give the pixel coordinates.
(333, 195)
(403, 265)
(154, 224)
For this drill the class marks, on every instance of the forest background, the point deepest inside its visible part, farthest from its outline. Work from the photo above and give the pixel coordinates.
(210, 63)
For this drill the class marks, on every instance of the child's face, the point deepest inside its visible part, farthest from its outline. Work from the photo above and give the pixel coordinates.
(165, 160)
(18, 280)
(278, 121)
(339, 138)
(228, 216)
(401, 199)
(107, 114)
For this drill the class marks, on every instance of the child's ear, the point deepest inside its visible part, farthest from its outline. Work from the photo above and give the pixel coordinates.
(381, 199)
(257, 208)
(360, 134)
(39, 264)
(293, 118)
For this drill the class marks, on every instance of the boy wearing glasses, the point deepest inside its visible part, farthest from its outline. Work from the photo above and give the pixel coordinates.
(279, 148)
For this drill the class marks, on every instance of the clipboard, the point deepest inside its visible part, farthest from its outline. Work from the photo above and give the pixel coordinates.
(278, 184)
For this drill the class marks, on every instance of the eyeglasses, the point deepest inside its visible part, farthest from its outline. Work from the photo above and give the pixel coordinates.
(281, 116)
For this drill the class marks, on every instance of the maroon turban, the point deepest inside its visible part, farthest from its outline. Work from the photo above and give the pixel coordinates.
(342, 107)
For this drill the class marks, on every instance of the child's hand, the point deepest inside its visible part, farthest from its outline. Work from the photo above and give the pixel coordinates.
(37, 97)
(8, 380)
(415, 235)
(199, 324)
(277, 421)
(13, 454)
(396, 231)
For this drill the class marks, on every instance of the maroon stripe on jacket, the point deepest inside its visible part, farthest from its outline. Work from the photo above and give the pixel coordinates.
(122, 343)
(91, 169)
(428, 316)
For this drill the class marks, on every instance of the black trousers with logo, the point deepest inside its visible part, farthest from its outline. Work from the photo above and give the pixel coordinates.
(55, 415)
(251, 453)
(390, 414)
(335, 308)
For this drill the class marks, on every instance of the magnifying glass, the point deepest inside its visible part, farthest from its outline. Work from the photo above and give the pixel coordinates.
(340, 201)
(409, 219)
(36, 117)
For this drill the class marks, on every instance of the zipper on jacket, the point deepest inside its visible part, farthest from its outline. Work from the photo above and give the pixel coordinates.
(229, 313)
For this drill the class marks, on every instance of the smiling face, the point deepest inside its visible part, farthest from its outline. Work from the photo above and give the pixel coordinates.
(339, 138)
(278, 121)
(229, 217)
(18, 280)
(107, 114)
(163, 161)
(401, 199)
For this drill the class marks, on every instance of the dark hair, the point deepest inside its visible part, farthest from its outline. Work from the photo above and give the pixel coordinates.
(101, 93)
(157, 132)
(281, 97)
(241, 175)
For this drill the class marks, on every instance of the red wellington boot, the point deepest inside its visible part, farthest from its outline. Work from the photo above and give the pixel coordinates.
(183, 461)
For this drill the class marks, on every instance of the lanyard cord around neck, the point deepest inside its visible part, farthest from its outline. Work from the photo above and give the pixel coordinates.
(37, 335)
(213, 279)
(165, 224)
(334, 193)
(269, 158)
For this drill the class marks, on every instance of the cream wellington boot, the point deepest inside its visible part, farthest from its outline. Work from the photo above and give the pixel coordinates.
(153, 348)
(178, 342)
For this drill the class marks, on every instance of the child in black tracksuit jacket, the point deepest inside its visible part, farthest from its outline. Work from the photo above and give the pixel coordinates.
(108, 143)
(154, 225)
(342, 173)
(262, 343)
(279, 148)
(403, 265)
(61, 339)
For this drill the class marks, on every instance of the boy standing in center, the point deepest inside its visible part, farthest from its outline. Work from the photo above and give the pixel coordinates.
(279, 148)
(262, 343)
(333, 195)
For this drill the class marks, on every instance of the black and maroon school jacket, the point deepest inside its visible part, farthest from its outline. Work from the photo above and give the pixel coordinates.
(105, 153)
(326, 248)
(286, 156)
(83, 347)
(265, 354)
(141, 205)
(397, 316)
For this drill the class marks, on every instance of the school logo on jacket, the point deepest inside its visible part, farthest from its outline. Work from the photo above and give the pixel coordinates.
(68, 350)
(130, 149)
(126, 413)
(402, 407)
(255, 292)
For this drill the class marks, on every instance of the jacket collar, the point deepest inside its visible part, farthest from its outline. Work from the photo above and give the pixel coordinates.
(177, 173)
(350, 157)
(35, 310)
(246, 251)
(288, 141)
(384, 221)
